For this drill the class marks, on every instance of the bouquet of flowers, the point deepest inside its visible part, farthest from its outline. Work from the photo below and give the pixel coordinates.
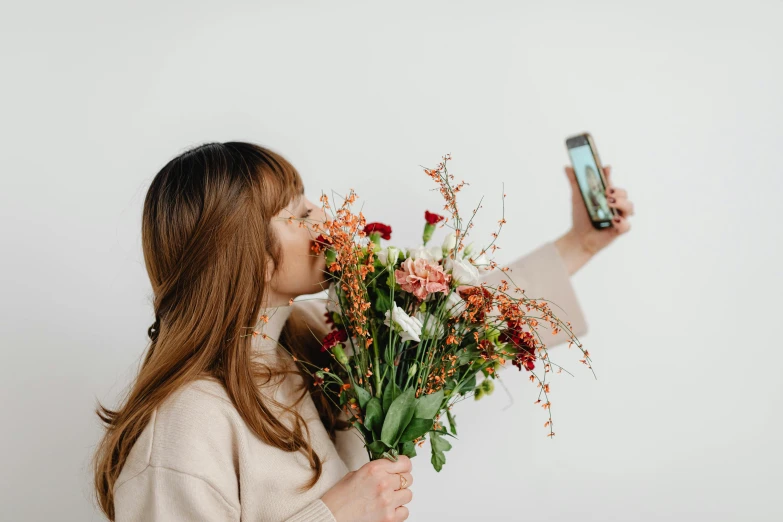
(412, 328)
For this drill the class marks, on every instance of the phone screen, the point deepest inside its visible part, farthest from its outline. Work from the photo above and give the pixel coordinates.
(590, 182)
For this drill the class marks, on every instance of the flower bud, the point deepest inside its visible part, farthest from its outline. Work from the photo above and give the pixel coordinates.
(339, 354)
(412, 370)
(488, 386)
(468, 250)
(388, 256)
(449, 242)
(427, 235)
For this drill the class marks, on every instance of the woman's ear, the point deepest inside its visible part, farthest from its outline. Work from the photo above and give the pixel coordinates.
(270, 271)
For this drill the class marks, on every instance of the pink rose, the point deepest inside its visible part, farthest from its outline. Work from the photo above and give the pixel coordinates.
(420, 277)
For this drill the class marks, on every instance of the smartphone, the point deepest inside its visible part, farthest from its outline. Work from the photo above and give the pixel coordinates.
(590, 177)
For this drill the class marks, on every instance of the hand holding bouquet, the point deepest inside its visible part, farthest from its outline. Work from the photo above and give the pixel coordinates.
(413, 328)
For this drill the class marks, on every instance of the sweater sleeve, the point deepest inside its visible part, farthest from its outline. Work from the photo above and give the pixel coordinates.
(164, 495)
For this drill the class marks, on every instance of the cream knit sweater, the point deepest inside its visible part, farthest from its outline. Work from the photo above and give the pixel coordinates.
(197, 461)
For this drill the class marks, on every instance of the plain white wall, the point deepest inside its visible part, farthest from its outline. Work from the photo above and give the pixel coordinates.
(684, 99)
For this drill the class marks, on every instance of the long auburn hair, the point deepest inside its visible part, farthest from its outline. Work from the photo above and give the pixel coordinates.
(207, 239)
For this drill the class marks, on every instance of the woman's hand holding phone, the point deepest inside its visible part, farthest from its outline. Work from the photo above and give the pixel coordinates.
(600, 210)
(583, 233)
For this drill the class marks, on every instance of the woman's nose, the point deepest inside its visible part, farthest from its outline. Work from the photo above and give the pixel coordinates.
(320, 215)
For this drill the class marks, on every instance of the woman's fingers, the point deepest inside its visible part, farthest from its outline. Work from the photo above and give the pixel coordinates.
(624, 205)
(616, 192)
(394, 481)
(621, 224)
(401, 513)
(403, 465)
(401, 497)
(618, 198)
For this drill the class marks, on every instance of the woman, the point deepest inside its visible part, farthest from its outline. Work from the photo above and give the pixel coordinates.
(220, 424)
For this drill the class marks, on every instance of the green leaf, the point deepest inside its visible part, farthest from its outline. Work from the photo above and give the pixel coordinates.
(427, 406)
(452, 421)
(438, 460)
(362, 395)
(442, 431)
(399, 415)
(468, 385)
(416, 429)
(382, 301)
(439, 445)
(377, 447)
(465, 355)
(438, 442)
(373, 417)
(391, 392)
(409, 449)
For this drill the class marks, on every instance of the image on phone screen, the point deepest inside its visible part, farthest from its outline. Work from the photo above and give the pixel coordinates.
(590, 182)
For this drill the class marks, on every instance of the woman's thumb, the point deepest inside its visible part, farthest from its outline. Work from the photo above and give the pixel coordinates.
(571, 176)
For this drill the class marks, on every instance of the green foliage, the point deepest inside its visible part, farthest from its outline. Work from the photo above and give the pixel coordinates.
(382, 301)
(397, 418)
(409, 449)
(377, 447)
(391, 392)
(467, 385)
(373, 418)
(362, 395)
(452, 422)
(416, 428)
(427, 406)
(439, 446)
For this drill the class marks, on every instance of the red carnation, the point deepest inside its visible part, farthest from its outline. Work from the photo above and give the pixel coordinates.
(384, 230)
(334, 338)
(523, 342)
(432, 218)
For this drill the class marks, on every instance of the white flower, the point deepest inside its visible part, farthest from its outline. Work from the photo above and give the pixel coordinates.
(436, 253)
(332, 302)
(462, 271)
(432, 253)
(455, 304)
(431, 327)
(449, 242)
(389, 255)
(408, 327)
(482, 261)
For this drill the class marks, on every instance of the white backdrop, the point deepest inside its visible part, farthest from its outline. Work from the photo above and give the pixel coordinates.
(684, 99)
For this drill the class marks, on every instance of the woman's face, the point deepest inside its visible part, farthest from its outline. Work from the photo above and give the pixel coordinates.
(301, 271)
